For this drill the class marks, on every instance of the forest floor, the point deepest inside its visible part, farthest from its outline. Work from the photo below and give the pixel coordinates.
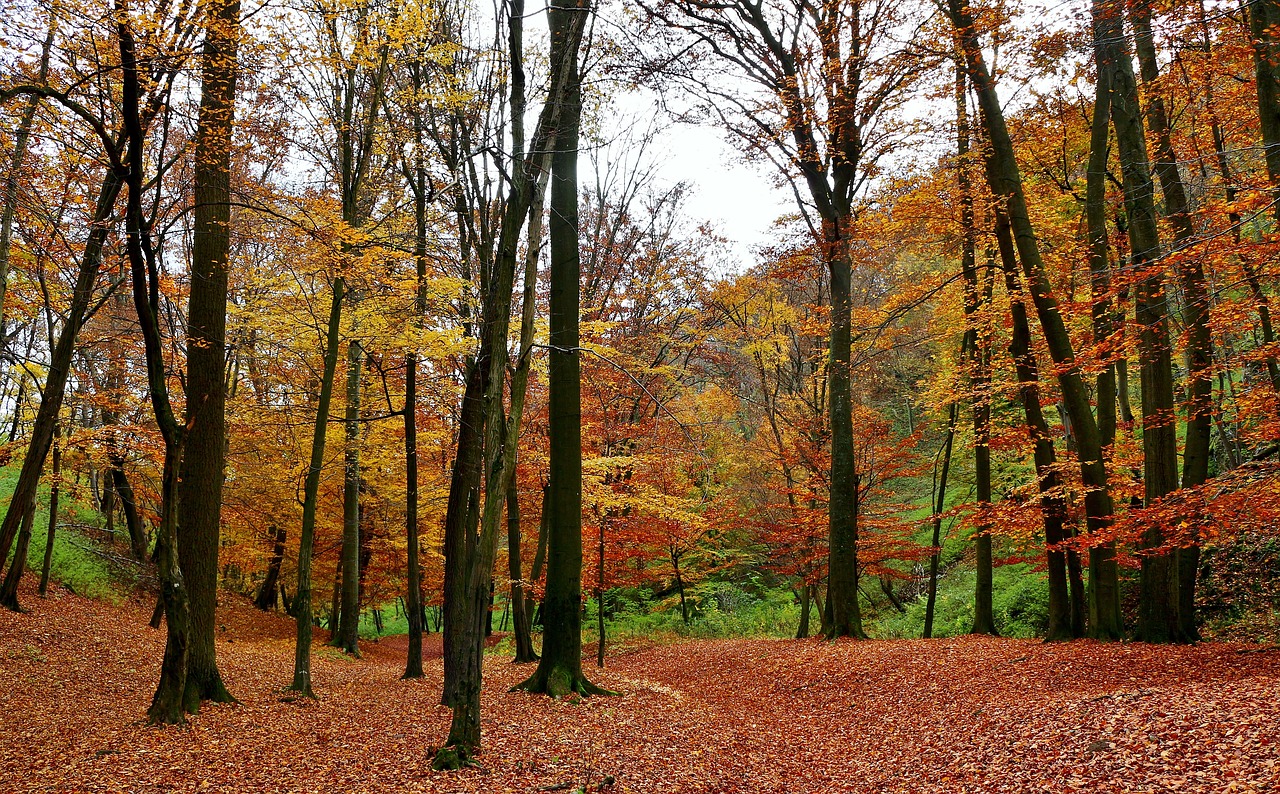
(953, 715)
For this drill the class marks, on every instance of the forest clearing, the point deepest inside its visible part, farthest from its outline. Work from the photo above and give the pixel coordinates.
(968, 714)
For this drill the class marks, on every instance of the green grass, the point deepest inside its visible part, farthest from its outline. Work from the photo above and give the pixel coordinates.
(1020, 601)
(74, 563)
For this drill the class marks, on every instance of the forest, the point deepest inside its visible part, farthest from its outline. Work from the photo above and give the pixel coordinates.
(382, 407)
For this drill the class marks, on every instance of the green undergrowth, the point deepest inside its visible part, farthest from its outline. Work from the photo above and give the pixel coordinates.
(78, 563)
(1020, 600)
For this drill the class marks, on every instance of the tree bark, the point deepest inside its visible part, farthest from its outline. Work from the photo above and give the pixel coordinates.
(1158, 601)
(1196, 310)
(347, 636)
(978, 330)
(1006, 184)
(54, 488)
(204, 464)
(1062, 624)
(560, 668)
(301, 606)
(267, 594)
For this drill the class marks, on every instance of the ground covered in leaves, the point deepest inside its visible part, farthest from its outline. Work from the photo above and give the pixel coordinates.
(982, 715)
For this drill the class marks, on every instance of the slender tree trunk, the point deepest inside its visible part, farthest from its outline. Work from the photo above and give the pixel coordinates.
(1006, 183)
(519, 611)
(267, 594)
(167, 705)
(560, 668)
(54, 488)
(203, 465)
(347, 636)
(413, 591)
(1061, 624)
(311, 490)
(940, 505)
(978, 331)
(600, 596)
(1158, 603)
(1196, 309)
(806, 605)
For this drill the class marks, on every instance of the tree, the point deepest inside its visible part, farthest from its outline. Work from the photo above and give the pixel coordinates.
(1005, 180)
(560, 668)
(831, 78)
(204, 464)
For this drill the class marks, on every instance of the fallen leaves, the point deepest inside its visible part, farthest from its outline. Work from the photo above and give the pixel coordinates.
(960, 715)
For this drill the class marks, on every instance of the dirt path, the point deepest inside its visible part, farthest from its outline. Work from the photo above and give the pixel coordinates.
(977, 715)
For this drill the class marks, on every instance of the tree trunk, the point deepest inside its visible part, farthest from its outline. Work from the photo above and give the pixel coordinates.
(979, 333)
(414, 607)
(347, 637)
(560, 668)
(1158, 602)
(842, 578)
(311, 490)
(1264, 16)
(267, 594)
(806, 606)
(54, 488)
(9, 588)
(1196, 310)
(1061, 625)
(1006, 183)
(55, 384)
(939, 505)
(519, 611)
(203, 465)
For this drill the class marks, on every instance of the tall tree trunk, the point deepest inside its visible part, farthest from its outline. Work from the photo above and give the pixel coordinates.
(203, 466)
(1158, 602)
(413, 584)
(301, 606)
(560, 668)
(1006, 184)
(347, 636)
(978, 331)
(167, 705)
(842, 577)
(1195, 295)
(1062, 624)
